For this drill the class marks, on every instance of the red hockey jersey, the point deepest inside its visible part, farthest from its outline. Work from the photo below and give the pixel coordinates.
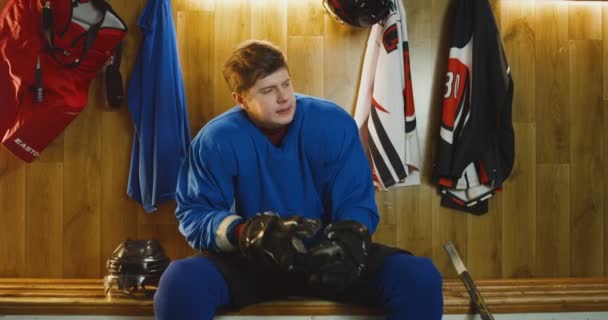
(44, 78)
(476, 146)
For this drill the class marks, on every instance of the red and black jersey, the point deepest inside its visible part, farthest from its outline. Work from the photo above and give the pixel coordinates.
(476, 145)
(45, 72)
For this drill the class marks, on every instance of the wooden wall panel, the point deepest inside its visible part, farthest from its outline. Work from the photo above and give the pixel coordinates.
(233, 24)
(82, 190)
(553, 220)
(426, 19)
(386, 232)
(269, 21)
(552, 75)
(484, 240)
(604, 179)
(452, 226)
(64, 213)
(518, 207)
(605, 49)
(305, 18)
(55, 151)
(307, 73)
(118, 212)
(12, 215)
(413, 221)
(585, 21)
(517, 29)
(197, 73)
(342, 57)
(155, 226)
(586, 194)
(43, 221)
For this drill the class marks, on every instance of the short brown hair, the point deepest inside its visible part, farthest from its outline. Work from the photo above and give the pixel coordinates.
(250, 61)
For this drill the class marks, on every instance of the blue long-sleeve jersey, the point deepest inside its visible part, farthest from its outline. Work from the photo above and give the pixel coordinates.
(233, 171)
(157, 105)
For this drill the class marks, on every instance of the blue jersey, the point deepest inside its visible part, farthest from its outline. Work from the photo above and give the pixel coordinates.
(158, 107)
(233, 171)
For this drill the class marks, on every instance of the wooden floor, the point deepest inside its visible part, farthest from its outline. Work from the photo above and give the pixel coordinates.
(82, 297)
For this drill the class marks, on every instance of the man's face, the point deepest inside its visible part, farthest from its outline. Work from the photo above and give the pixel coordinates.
(270, 103)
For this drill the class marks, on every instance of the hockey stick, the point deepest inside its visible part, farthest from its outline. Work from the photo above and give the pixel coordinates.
(467, 281)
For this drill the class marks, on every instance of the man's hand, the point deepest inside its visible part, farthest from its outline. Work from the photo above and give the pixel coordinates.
(340, 257)
(272, 241)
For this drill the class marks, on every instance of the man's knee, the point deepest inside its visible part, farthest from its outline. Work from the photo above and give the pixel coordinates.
(412, 288)
(413, 272)
(192, 274)
(193, 284)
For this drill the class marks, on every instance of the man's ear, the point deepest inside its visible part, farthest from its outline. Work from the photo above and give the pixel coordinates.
(238, 99)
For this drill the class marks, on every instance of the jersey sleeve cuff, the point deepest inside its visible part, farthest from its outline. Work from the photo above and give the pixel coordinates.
(222, 234)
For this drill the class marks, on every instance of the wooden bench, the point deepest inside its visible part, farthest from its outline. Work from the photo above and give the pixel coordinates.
(86, 297)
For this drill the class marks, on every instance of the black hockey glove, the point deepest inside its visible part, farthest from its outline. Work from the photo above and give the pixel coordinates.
(340, 257)
(272, 241)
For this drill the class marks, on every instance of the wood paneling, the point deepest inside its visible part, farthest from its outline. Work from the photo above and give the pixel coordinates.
(414, 228)
(587, 191)
(12, 215)
(605, 49)
(307, 72)
(43, 221)
(484, 240)
(552, 83)
(605, 178)
(518, 207)
(233, 24)
(585, 21)
(305, 18)
(269, 21)
(553, 220)
(197, 73)
(517, 29)
(448, 225)
(63, 214)
(82, 193)
(118, 211)
(342, 56)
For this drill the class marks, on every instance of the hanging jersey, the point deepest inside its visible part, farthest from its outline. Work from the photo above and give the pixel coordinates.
(45, 77)
(157, 105)
(476, 145)
(385, 111)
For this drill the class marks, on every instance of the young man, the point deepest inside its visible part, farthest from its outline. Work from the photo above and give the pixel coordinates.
(278, 196)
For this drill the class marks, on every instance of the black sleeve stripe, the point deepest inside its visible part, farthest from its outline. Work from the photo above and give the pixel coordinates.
(383, 172)
(388, 147)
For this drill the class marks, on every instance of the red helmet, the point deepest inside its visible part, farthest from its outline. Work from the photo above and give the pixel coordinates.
(358, 13)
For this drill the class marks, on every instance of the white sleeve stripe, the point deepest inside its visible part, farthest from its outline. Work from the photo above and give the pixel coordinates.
(221, 234)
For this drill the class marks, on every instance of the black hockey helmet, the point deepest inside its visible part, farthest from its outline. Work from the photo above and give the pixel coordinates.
(358, 13)
(135, 267)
